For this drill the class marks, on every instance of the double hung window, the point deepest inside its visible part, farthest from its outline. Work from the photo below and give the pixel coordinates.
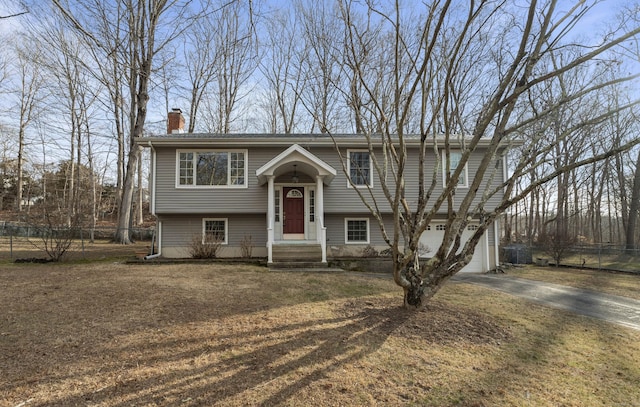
(454, 162)
(359, 166)
(356, 230)
(214, 231)
(209, 168)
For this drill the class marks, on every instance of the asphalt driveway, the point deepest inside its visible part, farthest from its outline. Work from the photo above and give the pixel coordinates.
(611, 308)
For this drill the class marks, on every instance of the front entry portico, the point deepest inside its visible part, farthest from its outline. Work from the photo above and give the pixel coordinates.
(295, 182)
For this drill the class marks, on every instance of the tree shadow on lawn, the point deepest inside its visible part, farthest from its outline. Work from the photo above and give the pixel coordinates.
(265, 365)
(73, 326)
(171, 346)
(260, 361)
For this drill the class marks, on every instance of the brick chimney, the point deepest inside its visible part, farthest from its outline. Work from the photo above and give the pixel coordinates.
(175, 121)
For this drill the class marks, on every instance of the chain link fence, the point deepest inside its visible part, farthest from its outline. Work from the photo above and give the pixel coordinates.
(604, 256)
(21, 240)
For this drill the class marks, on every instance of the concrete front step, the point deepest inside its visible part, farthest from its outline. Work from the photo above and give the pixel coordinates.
(300, 252)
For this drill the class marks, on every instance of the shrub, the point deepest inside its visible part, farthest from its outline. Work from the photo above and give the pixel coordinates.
(206, 248)
(558, 245)
(246, 247)
(55, 242)
(54, 234)
(369, 251)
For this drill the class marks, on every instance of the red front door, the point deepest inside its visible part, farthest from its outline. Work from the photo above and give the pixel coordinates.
(293, 210)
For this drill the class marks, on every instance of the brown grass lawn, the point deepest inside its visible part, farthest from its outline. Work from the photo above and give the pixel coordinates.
(15, 248)
(112, 334)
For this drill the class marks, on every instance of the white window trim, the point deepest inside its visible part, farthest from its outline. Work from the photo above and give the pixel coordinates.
(444, 170)
(226, 229)
(346, 231)
(210, 150)
(349, 185)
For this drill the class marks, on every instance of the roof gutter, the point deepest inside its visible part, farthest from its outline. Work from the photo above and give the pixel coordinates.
(280, 141)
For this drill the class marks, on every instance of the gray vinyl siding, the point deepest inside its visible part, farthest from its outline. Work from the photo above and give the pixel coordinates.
(342, 199)
(169, 199)
(491, 235)
(336, 223)
(179, 230)
(339, 198)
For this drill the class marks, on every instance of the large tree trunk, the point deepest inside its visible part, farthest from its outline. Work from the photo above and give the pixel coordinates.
(137, 48)
(421, 280)
(123, 234)
(20, 170)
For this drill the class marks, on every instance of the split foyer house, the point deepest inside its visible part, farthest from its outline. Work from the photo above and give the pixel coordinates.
(278, 192)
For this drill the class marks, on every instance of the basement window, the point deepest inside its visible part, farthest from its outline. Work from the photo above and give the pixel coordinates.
(357, 230)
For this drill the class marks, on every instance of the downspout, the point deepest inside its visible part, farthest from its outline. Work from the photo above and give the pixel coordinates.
(321, 232)
(496, 241)
(270, 217)
(159, 240)
(496, 238)
(487, 262)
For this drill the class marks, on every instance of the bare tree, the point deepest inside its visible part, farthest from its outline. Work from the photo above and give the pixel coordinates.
(12, 14)
(29, 83)
(464, 85)
(633, 48)
(634, 208)
(282, 69)
(72, 91)
(168, 74)
(3, 69)
(201, 61)
(8, 167)
(112, 69)
(322, 36)
(574, 214)
(568, 129)
(143, 28)
(236, 58)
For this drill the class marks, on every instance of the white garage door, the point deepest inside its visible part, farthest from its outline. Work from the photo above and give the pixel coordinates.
(432, 238)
